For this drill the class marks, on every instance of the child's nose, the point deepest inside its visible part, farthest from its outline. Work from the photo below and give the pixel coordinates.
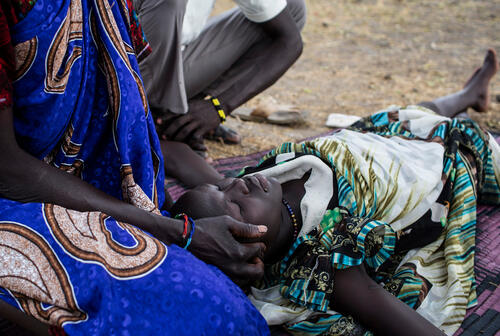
(239, 185)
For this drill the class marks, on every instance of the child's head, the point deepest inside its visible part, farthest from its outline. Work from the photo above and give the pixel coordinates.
(251, 199)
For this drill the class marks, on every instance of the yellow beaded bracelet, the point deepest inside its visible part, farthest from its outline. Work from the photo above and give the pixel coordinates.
(218, 107)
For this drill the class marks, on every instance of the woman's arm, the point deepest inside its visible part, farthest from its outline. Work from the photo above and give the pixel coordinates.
(355, 293)
(23, 320)
(182, 163)
(24, 178)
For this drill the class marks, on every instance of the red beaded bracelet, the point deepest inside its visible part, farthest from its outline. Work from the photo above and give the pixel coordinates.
(186, 221)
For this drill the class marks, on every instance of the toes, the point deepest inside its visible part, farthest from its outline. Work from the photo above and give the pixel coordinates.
(491, 57)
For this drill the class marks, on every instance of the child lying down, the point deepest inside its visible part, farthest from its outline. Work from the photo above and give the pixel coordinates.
(371, 229)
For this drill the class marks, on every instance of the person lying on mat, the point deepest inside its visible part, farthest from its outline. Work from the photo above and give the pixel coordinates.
(370, 224)
(83, 242)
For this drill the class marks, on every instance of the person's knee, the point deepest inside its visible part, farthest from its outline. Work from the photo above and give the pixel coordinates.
(179, 6)
(173, 7)
(297, 9)
(153, 11)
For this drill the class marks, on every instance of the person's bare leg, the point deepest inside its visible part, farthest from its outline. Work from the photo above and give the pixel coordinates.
(475, 93)
(356, 294)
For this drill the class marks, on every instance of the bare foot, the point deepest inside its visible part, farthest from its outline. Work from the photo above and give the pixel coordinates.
(477, 85)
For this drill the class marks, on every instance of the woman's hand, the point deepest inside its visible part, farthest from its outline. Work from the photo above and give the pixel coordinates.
(215, 241)
(23, 178)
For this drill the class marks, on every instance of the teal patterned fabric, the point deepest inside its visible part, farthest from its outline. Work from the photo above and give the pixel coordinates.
(354, 234)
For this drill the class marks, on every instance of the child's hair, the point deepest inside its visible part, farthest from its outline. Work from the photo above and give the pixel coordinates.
(195, 206)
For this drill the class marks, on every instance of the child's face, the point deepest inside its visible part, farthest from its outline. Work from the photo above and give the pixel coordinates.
(251, 199)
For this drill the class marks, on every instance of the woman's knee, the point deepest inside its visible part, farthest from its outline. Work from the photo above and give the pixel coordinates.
(190, 287)
(297, 9)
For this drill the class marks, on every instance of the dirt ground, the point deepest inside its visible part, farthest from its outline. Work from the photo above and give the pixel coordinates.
(363, 55)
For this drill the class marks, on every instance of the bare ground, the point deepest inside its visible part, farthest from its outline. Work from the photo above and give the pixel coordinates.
(361, 56)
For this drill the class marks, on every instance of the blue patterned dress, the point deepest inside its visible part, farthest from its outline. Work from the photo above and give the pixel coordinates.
(80, 106)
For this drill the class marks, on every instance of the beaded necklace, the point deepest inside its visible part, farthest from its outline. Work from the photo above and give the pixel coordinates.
(293, 217)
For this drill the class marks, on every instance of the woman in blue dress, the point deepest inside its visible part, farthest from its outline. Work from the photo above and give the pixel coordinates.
(84, 244)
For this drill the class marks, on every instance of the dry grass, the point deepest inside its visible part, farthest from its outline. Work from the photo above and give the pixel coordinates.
(361, 56)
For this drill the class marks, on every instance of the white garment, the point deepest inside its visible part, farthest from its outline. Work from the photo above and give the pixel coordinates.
(405, 175)
(318, 187)
(198, 12)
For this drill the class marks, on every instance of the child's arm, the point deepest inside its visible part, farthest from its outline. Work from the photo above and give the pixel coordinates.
(379, 311)
(185, 165)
